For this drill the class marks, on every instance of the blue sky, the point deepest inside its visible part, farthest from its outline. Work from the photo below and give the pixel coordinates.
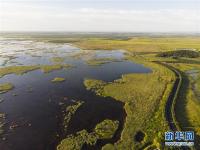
(100, 15)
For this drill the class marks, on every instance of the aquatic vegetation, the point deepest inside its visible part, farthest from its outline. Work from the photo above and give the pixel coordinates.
(58, 79)
(5, 87)
(69, 112)
(144, 96)
(7, 59)
(106, 129)
(103, 130)
(100, 61)
(83, 54)
(2, 117)
(75, 142)
(50, 68)
(57, 59)
(17, 70)
(94, 85)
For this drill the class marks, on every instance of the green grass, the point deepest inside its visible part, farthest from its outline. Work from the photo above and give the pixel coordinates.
(58, 79)
(103, 130)
(193, 109)
(198, 83)
(189, 100)
(144, 96)
(5, 87)
(180, 53)
(106, 129)
(100, 61)
(69, 112)
(94, 85)
(75, 142)
(50, 68)
(140, 44)
(19, 70)
(187, 108)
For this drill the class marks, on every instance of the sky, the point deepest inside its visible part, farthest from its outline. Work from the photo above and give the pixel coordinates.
(100, 15)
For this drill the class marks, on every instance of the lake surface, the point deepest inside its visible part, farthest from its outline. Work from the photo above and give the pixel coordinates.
(38, 114)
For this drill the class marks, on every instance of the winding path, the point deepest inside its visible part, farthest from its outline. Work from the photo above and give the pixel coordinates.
(171, 101)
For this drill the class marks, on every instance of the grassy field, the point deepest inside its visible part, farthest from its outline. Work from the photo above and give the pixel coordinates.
(5, 87)
(144, 105)
(140, 44)
(133, 89)
(188, 107)
(103, 130)
(128, 41)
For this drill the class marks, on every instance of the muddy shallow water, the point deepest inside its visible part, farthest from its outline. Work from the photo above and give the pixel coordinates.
(38, 113)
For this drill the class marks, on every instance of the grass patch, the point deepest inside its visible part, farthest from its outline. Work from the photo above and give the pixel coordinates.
(50, 68)
(18, 70)
(75, 142)
(198, 83)
(57, 59)
(189, 101)
(144, 96)
(140, 44)
(106, 129)
(69, 112)
(64, 40)
(100, 61)
(5, 87)
(103, 130)
(94, 85)
(58, 79)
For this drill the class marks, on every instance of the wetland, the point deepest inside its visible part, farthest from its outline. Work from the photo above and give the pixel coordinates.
(39, 114)
(92, 92)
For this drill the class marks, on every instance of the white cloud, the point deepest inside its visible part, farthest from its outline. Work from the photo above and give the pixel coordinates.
(23, 17)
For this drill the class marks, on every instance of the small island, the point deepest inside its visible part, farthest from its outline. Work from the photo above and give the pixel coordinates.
(5, 87)
(58, 79)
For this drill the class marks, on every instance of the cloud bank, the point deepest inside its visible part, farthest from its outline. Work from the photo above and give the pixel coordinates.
(19, 17)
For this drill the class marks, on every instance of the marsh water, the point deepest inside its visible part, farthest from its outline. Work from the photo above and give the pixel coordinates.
(37, 113)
